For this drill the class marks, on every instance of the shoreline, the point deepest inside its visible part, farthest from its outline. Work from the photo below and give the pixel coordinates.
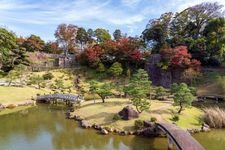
(8, 108)
(104, 130)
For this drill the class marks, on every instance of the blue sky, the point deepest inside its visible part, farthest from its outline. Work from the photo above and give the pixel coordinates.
(41, 17)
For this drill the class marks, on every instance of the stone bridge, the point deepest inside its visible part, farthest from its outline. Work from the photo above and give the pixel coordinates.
(179, 137)
(68, 98)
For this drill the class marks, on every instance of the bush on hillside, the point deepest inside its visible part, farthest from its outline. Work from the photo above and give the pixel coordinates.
(139, 124)
(153, 119)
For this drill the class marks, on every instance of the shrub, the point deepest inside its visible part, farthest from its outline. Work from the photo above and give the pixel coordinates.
(116, 117)
(101, 67)
(160, 92)
(214, 117)
(116, 69)
(153, 119)
(48, 76)
(139, 124)
(175, 118)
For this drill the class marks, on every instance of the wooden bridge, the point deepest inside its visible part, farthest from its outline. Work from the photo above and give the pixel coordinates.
(179, 137)
(68, 98)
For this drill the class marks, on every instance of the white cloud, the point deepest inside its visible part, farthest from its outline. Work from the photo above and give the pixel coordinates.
(130, 2)
(130, 15)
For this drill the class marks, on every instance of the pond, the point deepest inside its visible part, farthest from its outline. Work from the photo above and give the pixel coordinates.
(45, 127)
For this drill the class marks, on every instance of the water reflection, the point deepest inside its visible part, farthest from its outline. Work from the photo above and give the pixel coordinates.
(45, 127)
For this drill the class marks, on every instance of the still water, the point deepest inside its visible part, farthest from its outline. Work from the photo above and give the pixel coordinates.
(45, 128)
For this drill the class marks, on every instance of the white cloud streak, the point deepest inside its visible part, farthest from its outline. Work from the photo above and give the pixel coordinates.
(129, 14)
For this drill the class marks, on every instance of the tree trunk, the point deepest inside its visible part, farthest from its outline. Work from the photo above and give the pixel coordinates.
(138, 109)
(181, 107)
(103, 99)
(10, 82)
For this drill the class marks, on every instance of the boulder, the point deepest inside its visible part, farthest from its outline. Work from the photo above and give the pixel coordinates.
(109, 129)
(104, 131)
(151, 131)
(128, 113)
(85, 124)
(205, 128)
(148, 124)
(97, 127)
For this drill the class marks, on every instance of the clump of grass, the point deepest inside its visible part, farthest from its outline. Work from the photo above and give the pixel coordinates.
(214, 117)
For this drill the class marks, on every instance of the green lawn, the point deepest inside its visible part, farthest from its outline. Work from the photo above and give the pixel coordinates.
(102, 113)
(11, 95)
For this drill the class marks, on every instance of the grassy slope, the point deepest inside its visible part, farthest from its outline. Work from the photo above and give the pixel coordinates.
(103, 113)
(17, 94)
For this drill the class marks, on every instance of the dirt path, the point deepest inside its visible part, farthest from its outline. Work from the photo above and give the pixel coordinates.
(159, 110)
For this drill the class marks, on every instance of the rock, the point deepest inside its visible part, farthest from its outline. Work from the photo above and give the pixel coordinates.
(123, 133)
(97, 127)
(116, 130)
(109, 129)
(205, 128)
(152, 131)
(192, 131)
(78, 118)
(130, 132)
(205, 125)
(128, 113)
(85, 124)
(2, 106)
(161, 76)
(104, 131)
(148, 124)
(67, 113)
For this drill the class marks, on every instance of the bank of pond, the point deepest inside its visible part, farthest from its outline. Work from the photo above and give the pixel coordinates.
(45, 127)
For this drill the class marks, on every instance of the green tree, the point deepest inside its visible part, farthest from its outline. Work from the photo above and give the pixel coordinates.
(82, 37)
(91, 35)
(36, 79)
(215, 37)
(12, 75)
(93, 87)
(7, 43)
(157, 30)
(183, 96)
(138, 88)
(116, 69)
(104, 90)
(160, 92)
(117, 34)
(102, 35)
(21, 70)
